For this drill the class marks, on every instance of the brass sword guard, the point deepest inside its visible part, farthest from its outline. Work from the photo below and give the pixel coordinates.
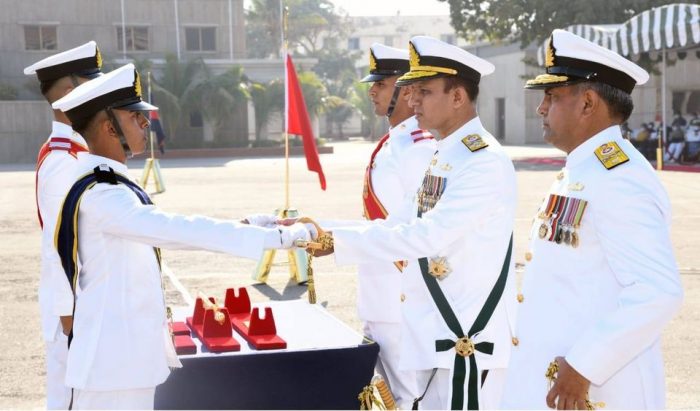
(322, 243)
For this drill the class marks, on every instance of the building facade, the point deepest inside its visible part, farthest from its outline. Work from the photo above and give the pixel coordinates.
(125, 31)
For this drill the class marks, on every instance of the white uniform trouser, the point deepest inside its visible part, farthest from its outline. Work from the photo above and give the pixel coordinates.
(140, 399)
(402, 383)
(437, 396)
(57, 394)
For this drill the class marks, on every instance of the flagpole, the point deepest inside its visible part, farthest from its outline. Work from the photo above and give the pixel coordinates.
(150, 130)
(123, 30)
(151, 165)
(283, 14)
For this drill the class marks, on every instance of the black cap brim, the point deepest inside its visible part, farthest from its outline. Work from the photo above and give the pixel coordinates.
(138, 106)
(376, 77)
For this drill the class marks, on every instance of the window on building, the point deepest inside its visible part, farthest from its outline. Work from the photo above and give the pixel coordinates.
(448, 38)
(136, 39)
(354, 43)
(200, 39)
(40, 37)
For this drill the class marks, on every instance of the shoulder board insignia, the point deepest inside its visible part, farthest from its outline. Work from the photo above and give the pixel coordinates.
(420, 135)
(474, 142)
(611, 155)
(105, 174)
(59, 143)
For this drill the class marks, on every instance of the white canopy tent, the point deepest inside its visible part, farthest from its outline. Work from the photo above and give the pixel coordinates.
(673, 28)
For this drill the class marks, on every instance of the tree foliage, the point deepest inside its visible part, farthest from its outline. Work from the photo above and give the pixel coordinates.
(362, 103)
(174, 90)
(307, 22)
(267, 98)
(219, 95)
(534, 20)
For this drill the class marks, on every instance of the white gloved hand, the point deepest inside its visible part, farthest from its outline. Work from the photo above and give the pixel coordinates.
(294, 232)
(262, 220)
(312, 230)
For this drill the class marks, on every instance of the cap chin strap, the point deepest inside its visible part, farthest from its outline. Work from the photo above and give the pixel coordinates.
(115, 123)
(392, 104)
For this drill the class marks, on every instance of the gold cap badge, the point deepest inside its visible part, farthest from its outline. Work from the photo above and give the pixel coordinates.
(137, 83)
(98, 58)
(549, 53)
(414, 58)
(372, 61)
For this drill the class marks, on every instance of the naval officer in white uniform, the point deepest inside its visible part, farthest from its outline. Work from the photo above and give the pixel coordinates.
(601, 280)
(107, 237)
(55, 173)
(456, 285)
(395, 171)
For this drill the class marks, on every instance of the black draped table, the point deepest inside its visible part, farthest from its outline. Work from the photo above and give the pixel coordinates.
(325, 366)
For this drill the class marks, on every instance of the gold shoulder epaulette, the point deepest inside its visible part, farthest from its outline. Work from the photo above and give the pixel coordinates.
(611, 155)
(474, 142)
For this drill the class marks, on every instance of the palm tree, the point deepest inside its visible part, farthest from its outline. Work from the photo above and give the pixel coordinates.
(339, 111)
(314, 91)
(219, 96)
(267, 98)
(174, 90)
(360, 100)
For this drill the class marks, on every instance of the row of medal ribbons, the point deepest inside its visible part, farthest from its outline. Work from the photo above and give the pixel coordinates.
(561, 219)
(430, 192)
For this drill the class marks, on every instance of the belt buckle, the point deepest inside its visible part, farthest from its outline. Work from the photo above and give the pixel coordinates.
(464, 346)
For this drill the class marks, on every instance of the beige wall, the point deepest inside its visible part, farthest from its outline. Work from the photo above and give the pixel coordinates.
(24, 126)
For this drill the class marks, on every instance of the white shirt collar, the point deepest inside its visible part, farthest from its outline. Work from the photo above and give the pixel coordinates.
(408, 125)
(87, 162)
(584, 150)
(59, 129)
(472, 126)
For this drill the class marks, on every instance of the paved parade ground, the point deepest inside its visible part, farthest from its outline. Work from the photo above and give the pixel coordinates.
(227, 188)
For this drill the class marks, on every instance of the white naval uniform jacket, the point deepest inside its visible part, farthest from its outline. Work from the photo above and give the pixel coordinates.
(55, 177)
(120, 333)
(396, 175)
(471, 226)
(603, 304)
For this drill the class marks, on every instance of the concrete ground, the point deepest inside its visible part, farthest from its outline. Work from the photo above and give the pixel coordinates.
(228, 188)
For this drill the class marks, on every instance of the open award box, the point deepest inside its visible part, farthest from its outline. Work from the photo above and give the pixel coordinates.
(275, 355)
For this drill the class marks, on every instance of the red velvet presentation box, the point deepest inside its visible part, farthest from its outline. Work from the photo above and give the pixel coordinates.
(261, 333)
(180, 328)
(184, 345)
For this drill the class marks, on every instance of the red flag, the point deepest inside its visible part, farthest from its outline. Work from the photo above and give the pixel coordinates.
(298, 122)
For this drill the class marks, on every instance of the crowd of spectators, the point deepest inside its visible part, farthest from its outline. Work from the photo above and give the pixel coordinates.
(681, 144)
